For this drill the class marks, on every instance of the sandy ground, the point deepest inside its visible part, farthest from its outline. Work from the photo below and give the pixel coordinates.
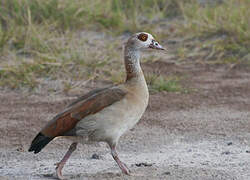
(204, 134)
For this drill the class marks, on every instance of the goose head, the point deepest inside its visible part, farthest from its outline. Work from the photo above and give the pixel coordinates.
(143, 41)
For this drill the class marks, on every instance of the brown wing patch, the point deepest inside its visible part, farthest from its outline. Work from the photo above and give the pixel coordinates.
(85, 96)
(66, 121)
(98, 103)
(143, 37)
(59, 125)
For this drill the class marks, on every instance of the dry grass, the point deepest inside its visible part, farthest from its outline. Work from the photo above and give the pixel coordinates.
(52, 39)
(158, 83)
(223, 29)
(49, 39)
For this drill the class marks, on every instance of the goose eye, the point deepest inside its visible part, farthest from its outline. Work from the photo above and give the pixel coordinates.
(143, 37)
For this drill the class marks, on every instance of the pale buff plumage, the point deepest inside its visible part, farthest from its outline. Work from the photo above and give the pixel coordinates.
(110, 123)
(103, 114)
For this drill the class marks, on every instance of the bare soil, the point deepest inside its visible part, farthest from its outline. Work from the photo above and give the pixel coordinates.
(203, 134)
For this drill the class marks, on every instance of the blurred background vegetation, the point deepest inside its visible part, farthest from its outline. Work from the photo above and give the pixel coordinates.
(82, 40)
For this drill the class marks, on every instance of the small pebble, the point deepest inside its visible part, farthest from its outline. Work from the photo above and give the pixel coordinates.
(48, 175)
(144, 164)
(95, 156)
(20, 149)
(226, 153)
(166, 173)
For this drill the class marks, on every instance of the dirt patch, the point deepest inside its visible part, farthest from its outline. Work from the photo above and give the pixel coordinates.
(203, 134)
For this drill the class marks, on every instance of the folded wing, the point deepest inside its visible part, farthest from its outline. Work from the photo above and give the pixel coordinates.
(64, 123)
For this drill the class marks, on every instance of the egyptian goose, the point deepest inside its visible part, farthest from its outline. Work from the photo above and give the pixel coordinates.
(103, 114)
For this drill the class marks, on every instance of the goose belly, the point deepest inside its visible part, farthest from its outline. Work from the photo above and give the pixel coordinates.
(113, 121)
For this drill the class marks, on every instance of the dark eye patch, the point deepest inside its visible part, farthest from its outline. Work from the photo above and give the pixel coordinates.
(143, 37)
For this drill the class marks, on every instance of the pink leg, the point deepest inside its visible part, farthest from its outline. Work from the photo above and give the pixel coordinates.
(59, 166)
(122, 165)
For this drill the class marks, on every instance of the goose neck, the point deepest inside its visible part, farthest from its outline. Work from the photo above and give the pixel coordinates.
(132, 63)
